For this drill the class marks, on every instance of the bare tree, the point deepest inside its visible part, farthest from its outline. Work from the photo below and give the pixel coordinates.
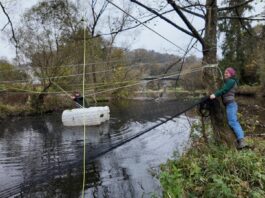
(43, 41)
(103, 19)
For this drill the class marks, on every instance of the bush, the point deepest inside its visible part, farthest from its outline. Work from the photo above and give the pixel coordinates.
(53, 103)
(215, 171)
(13, 110)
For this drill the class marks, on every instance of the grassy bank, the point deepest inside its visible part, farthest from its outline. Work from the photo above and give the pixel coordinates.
(216, 171)
(22, 105)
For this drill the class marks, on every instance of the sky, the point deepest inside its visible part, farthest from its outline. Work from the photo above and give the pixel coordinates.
(139, 38)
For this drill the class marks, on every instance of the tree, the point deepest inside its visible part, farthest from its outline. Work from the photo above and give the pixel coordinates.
(259, 55)
(8, 23)
(44, 30)
(98, 16)
(8, 72)
(239, 40)
(211, 13)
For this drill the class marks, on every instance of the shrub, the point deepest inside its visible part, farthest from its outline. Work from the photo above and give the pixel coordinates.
(215, 171)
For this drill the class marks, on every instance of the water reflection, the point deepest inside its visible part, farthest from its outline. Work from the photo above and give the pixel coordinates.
(41, 158)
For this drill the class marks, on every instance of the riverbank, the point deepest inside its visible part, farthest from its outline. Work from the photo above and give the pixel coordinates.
(14, 103)
(218, 171)
(20, 104)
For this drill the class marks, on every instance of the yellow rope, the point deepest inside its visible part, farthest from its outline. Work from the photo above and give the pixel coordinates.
(84, 146)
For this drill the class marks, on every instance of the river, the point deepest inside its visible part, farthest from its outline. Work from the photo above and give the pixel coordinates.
(39, 157)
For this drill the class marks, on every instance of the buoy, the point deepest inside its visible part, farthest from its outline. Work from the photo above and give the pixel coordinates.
(85, 116)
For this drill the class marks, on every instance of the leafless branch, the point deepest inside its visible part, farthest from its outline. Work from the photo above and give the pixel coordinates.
(193, 13)
(242, 23)
(241, 18)
(187, 22)
(201, 8)
(235, 6)
(96, 16)
(162, 17)
(10, 22)
(5, 26)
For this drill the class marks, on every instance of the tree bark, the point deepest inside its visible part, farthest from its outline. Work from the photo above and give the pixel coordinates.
(212, 78)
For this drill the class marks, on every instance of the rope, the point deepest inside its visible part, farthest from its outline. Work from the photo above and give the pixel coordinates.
(202, 100)
(74, 75)
(217, 67)
(158, 77)
(17, 187)
(84, 117)
(71, 65)
(66, 93)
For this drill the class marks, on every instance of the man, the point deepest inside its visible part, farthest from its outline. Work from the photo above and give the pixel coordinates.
(79, 100)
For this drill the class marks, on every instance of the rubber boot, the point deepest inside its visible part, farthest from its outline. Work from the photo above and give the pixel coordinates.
(241, 144)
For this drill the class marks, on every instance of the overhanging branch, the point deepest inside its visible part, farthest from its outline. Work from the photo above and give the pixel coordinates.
(193, 13)
(241, 18)
(235, 6)
(10, 22)
(187, 22)
(162, 17)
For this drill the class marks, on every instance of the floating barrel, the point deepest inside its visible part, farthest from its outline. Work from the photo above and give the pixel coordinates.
(85, 116)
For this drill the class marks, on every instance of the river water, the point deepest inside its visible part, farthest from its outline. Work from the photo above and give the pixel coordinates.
(39, 157)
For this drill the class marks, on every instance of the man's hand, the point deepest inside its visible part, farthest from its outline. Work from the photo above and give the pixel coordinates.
(212, 96)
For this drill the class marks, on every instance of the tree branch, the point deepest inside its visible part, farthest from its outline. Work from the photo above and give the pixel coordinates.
(193, 13)
(95, 15)
(235, 6)
(9, 21)
(241, 18)
(123, 29)
(162, 17)
(186, 21)
(242, 23)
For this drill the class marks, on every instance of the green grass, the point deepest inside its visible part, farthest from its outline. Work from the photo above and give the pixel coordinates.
(13, 110)
(216, 171)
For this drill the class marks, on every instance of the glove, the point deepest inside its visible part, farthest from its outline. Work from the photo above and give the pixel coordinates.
(212, 96)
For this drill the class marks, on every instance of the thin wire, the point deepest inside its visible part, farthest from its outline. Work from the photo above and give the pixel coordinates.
(145, 25)
(158, 77)
(149, 81)
(72, 65)
(64, 92)
(84, 117)
(217, 67)
(71, 75)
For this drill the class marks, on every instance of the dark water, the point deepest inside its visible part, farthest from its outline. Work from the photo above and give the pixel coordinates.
(39, 157)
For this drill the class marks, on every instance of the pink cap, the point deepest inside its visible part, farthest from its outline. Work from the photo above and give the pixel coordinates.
(231, 71)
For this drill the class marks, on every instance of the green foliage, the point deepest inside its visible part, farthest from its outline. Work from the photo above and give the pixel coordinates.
(13, 110)
(9, 73)
(53, 103)
(249, 125)
(240, 43)
(260, 30)
(119, 76)
(167, 179)
(215, 171)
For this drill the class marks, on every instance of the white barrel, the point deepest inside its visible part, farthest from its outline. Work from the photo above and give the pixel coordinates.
(89, 116)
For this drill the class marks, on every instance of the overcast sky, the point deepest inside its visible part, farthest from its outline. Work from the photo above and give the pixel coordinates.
(140, 38)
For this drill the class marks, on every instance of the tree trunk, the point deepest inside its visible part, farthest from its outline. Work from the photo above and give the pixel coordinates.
(38, 101)
(211, 76)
